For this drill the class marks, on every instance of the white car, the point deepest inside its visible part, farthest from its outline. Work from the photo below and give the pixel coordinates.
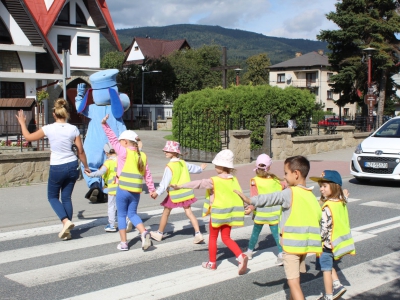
(378, 156)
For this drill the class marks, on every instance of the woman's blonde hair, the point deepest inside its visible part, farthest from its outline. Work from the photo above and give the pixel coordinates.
(60, 109)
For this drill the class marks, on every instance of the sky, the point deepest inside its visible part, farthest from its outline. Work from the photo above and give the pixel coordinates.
(280, 18)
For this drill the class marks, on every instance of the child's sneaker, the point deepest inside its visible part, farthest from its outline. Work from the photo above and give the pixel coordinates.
(338, 292)
(209, 265)
(146, 243)
(279, 259)
(321, 297)
(242, 259)
(156, 235)
(110, 228)
(129, 225)
(249, 254)
(123, 246)
(198, 238)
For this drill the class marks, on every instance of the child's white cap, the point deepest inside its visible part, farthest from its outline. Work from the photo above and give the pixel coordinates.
(263, 159)
(107, 148)
(129, 135)
(224, 158)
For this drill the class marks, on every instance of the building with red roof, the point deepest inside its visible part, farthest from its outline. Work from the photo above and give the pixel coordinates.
(33, 35)
(147, 48)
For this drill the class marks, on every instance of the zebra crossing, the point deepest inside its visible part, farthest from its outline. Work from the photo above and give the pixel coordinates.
(90, 267)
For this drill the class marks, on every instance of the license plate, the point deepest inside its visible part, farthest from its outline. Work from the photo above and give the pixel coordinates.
(375, 165)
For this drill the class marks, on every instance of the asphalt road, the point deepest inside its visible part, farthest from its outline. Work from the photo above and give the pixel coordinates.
(35, 264)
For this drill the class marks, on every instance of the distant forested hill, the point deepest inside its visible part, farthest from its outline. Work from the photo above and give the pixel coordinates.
(240, 44)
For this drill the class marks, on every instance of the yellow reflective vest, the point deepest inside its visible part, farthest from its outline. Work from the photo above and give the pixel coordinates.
(267, 215)
(342, 242)
(301, 233)
(109, 177)
(227, 207)
(130, 178)
(180, 175)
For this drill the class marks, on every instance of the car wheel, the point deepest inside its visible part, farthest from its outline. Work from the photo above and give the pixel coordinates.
(363, 180)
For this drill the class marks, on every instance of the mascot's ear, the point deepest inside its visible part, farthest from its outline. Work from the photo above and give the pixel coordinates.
(116, 106)
(84, 102)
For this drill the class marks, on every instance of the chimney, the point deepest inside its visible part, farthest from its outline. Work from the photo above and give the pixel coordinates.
(320, 52)
(298, 54)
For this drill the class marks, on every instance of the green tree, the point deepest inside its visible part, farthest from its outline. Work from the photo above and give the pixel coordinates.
(257, 72)
(362, 24)
(112, 60)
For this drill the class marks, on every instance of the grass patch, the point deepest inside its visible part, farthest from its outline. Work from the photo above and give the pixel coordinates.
(170, 137)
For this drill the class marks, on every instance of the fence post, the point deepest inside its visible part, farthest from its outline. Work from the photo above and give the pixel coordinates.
(267, 136)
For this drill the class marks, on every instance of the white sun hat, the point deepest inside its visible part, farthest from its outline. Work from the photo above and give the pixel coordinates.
(172, 146)
(129, 135)
(224, 158)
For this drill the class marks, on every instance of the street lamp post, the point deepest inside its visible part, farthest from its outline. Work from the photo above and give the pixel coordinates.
(131, 92)
(237, 75)
(370, 98)
(143, 72)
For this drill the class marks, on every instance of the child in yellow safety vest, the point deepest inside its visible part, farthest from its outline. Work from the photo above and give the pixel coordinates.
(224, 207)
(335, 231)
(177, 172)
(132, 170)
(299, 222)
(109, 171)
(264, 183)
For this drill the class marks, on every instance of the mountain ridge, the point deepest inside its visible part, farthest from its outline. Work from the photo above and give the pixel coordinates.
(240, 44)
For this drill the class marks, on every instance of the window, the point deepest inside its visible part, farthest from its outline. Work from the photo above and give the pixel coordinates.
(83, 46)
(311, 78)
(346, 111)
(329, 109)
(5, 36)
(330, 95)
(329, 75)
(63, 18)
(136, 48)
(12, 89)
(281, 78)
(63, 43)
(80, 16)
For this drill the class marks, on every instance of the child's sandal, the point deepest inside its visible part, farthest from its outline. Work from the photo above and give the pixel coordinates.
(209, 265)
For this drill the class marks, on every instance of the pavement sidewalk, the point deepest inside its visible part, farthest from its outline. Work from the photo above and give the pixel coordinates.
(27, 206)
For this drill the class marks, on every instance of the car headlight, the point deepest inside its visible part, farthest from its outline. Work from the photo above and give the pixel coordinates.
(358, 149)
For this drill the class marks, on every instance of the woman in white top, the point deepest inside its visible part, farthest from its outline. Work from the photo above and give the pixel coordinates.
(64, 169)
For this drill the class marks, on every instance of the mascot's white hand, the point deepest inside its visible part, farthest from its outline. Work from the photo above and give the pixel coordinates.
(104, 121)
(81, 89)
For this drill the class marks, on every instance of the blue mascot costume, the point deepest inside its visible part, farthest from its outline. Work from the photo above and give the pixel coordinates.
(109, 101)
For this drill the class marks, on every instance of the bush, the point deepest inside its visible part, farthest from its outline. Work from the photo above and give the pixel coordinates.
(251, 103)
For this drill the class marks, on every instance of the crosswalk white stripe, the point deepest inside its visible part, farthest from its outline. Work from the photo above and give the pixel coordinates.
(382, 204)
(75, 244)
(106, 262)
(362, 277)
(195, 277)
(375, 224)
(389, 227)
(32, 232)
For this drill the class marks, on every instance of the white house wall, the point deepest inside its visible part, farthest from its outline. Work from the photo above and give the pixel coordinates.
(18, 36)
(79, 61)
(135, 55)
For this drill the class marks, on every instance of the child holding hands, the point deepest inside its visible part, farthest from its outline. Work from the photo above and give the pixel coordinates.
(335, 231)
(177, 173)
(299, 222)
(224, 206)
(132, 169)
(263, 183)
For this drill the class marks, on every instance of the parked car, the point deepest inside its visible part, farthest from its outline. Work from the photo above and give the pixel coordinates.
(331, 122)
(378, 156)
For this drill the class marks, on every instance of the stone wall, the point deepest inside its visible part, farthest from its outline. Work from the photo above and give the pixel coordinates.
(24, 168)
(284, 145)
(239, 143)
(165, 124)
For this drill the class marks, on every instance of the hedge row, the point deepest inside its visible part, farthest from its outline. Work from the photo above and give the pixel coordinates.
(250, 103)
